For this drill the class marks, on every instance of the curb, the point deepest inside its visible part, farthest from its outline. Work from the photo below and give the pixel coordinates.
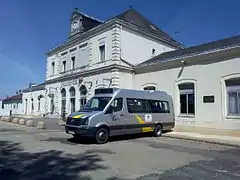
(210, 141)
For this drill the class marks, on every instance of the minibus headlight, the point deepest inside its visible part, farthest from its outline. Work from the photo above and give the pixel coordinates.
(85, 120)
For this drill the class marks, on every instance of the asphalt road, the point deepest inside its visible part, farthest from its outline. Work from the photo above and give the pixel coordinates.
(33, 154)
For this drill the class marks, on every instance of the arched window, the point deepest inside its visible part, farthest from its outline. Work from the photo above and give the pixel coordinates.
(63, 94)
(72, 98)
(83, 95)
(63, 99)
(150, 88)
(233, 96)
(187, 98)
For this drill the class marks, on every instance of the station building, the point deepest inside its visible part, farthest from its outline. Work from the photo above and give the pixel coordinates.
(128, 51)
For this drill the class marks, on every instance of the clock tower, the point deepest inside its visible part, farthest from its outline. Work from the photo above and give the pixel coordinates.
(80, 23)
(76, 23)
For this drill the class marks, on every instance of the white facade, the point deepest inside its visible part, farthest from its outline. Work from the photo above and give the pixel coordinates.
(33, 103)
(94, 67)
(208, 74)
(13, 107)
(136, 48)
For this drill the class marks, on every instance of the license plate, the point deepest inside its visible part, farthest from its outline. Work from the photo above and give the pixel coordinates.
(71, 132)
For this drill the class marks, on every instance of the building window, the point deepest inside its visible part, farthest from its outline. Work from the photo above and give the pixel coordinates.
(83, 95)
(63, 98)
(150, 88)
(73, 62)
(32, 105)
(53, 68)
(72, 98)
(39, 103)
(64, 66)
(52, 105)
(102, 52)
(2, 105)
(187, 98)
(153, 52)
(233, 96)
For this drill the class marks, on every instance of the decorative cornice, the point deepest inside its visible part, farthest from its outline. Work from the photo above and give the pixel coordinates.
(91, 72)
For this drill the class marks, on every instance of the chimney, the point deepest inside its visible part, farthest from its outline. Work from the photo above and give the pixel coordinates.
(17, 92)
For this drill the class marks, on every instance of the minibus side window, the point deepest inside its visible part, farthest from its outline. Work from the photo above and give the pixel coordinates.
(158, 106)
(165, 106)
(117, 104)
(137, 105)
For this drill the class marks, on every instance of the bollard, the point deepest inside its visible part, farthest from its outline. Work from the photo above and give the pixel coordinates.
(15, 120)
(40, 125)
(29, 123)
(21, 122)
(61, 122)
(8, 119)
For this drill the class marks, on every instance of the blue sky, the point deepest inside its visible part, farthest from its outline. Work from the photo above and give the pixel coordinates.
(29, 28)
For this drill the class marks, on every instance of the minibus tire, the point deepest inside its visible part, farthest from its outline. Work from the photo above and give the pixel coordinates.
(104, 133)
(158, 130)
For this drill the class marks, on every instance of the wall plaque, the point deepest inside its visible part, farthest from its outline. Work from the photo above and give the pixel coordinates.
(208, 99)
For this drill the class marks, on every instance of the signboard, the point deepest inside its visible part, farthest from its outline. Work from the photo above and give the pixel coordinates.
(208, 99)
(148, 118)
(70, 82)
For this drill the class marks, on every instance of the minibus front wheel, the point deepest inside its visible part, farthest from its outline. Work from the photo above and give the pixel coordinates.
(102, 135)
(158, 130)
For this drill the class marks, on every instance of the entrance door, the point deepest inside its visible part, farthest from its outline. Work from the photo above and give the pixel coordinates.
(72, 100)
(63, 110)
(26, 105)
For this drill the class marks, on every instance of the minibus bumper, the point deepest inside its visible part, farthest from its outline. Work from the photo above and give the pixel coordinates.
(80, 130)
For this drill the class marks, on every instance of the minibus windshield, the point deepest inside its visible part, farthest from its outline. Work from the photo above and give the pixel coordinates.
(96, 104)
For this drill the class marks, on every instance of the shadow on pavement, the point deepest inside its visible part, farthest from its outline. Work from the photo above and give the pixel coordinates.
(90, 141)
(17, 164)
(219, 168)
(11, 130)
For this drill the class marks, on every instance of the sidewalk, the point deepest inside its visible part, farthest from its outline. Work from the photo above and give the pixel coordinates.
(217, 136)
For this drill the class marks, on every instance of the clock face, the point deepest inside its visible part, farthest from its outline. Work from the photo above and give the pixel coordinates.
(74, 25)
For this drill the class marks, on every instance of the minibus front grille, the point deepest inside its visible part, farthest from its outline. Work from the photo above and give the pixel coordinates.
(72, 129)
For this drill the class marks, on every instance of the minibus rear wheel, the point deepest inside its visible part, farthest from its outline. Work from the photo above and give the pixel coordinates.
(158, 130)
(101, 135)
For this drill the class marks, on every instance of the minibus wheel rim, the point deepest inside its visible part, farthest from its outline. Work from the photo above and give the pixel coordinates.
(102, 135)
(158, 130)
